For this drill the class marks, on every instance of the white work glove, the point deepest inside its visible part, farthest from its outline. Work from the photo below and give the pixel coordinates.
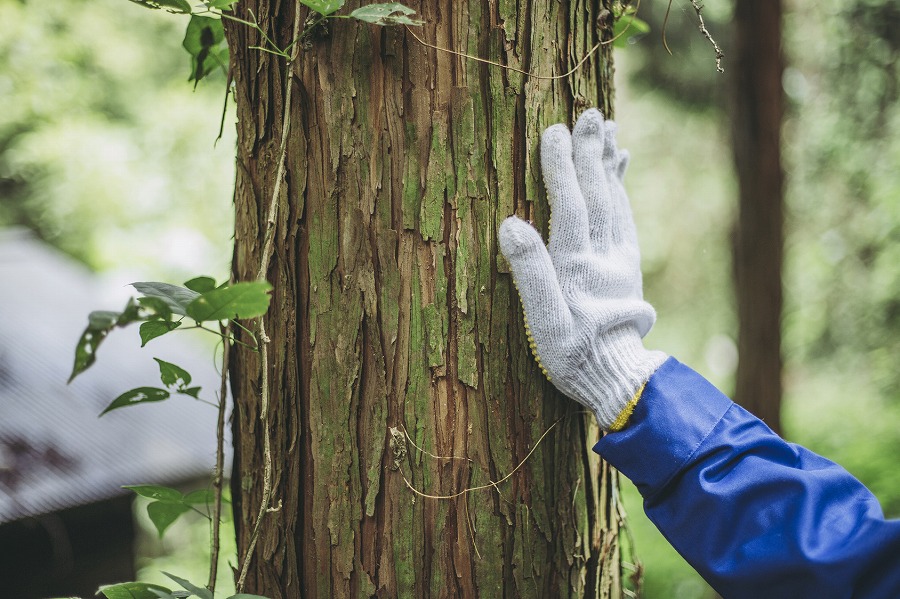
(584, 309)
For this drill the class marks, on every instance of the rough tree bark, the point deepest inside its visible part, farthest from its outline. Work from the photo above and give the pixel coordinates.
(392, 308)
(757, 110)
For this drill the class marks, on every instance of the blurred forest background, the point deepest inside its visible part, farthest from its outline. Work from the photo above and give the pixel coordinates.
(108, 154)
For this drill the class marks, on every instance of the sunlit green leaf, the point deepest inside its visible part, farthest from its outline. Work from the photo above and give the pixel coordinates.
(391, 13)
(156, 328)
(176, 6)
(323, 7)
(132, 590)
(154, 307)
(157, 492)
(628, 27)
(163, 514)
(137, 396)
(241, 300)
(221, 4)
(200, 496)
(204, 40)
(173, 375)
(201, 284)
(201, 592)
(177, 298)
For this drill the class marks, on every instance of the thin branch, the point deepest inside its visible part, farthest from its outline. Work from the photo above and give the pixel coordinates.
(528, 73)
(220, 465)
(719, 54)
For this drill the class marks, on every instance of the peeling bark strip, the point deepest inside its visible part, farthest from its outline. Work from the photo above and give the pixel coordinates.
(392, 307)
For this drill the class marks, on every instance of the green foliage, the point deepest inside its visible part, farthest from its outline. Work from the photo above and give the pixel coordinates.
(174, 6)
(324, 7)
(135, 590)
(628, 27)
(242, 300)
(392, 13)
(168, 504)
(204, 40)
(156, 308)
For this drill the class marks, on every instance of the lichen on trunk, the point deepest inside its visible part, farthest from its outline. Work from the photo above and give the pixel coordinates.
(393, 309)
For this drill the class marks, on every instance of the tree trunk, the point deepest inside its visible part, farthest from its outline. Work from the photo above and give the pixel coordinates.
(759, 240)
(393, 309)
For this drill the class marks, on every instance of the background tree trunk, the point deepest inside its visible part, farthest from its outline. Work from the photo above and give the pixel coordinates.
(392, 308)
(757, 110)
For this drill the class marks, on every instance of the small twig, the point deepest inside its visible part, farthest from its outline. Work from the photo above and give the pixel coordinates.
(665, 25)
(719, 54)
(528, 73)
(220, 464)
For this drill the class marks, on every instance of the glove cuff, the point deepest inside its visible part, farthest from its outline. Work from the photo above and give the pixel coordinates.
(611, 381)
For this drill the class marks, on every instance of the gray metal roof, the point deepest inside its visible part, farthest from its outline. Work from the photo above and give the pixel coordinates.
(54, 450)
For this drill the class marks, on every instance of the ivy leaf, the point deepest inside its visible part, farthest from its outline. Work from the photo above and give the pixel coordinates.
(192, 391)
(391, 13)
(177, 298)
(174, 6)
(153, 308)
(221, 4)
(156, 328)
(323, 7)
(241, 300)
(201, 592)
(200, 496)
(627, 28)
(132, 590)
(201, 284)
(137, 396)
(172, 375)
(100, 323)
(163, 514)
(204, 40)
(157, 492)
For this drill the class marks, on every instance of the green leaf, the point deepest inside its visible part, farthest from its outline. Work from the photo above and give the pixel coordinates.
(391, 13)
(241, 300)
(157, 492)
(192, 391)
(204, 40)
(201, 284)
(323, 7)
(163, 514)
(137, 396)
(221, 4)
(173, 375)
(177, 298)
(154, 308)
(201, 592)
(156, 328)
(132, 590)
(200, 497)
(627, 28)
(174, 6)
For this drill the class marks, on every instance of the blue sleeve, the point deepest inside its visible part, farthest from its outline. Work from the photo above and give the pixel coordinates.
(754, 515)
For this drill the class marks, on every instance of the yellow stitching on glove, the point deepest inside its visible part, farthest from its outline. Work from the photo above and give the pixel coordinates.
(622, 419)
(531, 342)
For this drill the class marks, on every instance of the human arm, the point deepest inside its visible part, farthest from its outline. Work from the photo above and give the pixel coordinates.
(754, 515)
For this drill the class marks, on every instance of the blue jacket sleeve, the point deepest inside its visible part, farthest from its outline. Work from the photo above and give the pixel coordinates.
(754, 515)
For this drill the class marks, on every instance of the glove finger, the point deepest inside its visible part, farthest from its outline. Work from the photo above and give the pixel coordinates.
(615, 162)
(546, 311)
(569, 218)
(589, 140)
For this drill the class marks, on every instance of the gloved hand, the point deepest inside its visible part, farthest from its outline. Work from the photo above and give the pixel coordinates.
(584, 309)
